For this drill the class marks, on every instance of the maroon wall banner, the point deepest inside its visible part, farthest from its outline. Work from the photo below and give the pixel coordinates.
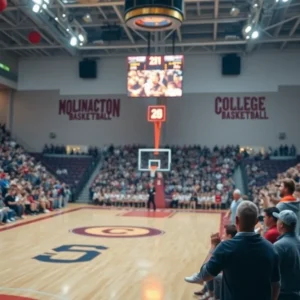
(90, 109)
(241, 108)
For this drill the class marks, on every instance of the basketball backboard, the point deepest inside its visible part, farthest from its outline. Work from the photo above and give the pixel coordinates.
(158, 158)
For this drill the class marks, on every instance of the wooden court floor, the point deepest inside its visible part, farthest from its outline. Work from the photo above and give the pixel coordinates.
(86, 253)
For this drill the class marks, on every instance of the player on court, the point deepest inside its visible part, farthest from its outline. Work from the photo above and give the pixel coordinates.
(151, 197)
(193, 200)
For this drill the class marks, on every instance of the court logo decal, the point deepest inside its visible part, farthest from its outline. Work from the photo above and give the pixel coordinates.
(81, 253)
(117, 231)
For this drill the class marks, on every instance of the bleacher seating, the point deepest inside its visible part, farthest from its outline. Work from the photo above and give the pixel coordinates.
(75, 166)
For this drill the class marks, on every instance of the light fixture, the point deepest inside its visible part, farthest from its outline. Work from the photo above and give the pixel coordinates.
(81, 44)
(38, 2)
(56, 19)
(255, 5)
(248, 28)
(255, 34)
(284, 1)
(87, 18)
(73, 41)
(68, 29)
(81, 37)
(247, 37)
(63, 15)
(36, 8)
(44, 6)
(235, 11)
(149, 15)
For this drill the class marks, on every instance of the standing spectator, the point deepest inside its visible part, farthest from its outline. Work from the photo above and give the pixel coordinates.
(270, 222)
(288, 248)
(288, 201)
(249, 263)
(237, 199)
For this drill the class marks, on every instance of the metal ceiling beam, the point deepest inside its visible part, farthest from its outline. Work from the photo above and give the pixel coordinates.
(204, 20)
(102, 13)
(51, 31)
(282, 17)
(292, 31)
(282, 22)
(179, 35)
(118, 13)
(187, 43)
(216, 14)
(12, 38)
(198, 9)
(7, 20)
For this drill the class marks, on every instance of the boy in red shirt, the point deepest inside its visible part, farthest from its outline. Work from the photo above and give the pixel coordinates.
(270, 222)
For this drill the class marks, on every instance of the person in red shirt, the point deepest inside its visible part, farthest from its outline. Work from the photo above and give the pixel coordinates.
(270, 222)
(218, 200)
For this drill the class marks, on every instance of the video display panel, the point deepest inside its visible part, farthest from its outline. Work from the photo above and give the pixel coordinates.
(155, 76)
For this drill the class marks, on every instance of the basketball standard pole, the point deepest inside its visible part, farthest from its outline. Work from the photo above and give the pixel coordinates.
(157, 130)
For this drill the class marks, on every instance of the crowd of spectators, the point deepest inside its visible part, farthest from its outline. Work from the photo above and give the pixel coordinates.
(255, 173)
(271, 188)
(199, 176)
(262, 261)
(26, 186)
(283, 150)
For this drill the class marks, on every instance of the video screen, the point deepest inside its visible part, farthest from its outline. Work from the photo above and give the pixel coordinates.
(155, 76)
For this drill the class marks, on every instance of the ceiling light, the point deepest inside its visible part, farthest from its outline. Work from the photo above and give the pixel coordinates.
(63, 15)
(81, 37)
(68, 29)
(73, 41)
(87, 18)
(247, 37)
(56, 19)
(39, 2)
(285, 1)
(44, 6)
(255, 34)
(248, 28)
(235, 11)
(81, 44)
(255, 5)
(36, 8)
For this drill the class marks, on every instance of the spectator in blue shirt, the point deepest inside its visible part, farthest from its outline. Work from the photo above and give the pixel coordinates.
(288, 249)
(237, 199)
(249, 263)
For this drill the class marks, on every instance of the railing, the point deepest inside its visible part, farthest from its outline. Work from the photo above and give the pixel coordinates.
(90, 170)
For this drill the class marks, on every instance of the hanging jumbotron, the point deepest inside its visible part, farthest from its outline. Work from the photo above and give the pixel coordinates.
(154, 15)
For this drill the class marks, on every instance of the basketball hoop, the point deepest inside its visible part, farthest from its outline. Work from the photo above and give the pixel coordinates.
(152, 171)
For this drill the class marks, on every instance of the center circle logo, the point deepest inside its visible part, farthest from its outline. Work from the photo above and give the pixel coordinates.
(117, 231)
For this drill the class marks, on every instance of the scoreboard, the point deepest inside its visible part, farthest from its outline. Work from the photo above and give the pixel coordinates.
(164, 62)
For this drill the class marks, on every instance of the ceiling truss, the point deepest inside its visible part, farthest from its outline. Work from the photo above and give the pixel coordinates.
(208, 28)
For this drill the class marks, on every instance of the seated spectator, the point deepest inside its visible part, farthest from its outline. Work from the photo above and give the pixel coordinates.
(10, 201)
(288, 249)
(249, 263)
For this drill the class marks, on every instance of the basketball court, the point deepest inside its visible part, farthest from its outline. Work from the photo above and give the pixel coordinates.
(91, 253)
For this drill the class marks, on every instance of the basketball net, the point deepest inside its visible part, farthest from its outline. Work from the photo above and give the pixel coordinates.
(152, 171)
